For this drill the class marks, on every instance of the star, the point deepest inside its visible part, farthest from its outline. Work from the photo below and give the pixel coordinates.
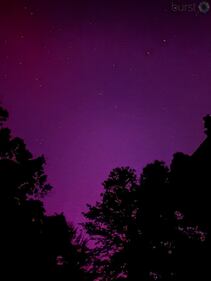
(20, 36)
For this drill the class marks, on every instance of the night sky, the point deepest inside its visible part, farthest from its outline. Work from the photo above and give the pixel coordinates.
(94, 85)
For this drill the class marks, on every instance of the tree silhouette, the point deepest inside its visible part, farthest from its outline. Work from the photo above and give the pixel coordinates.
(157, 228)
(33, 245)
(108, 222)
(174, 218)
(151, 251)
(64, 250)
(153, 228)
(191, 180)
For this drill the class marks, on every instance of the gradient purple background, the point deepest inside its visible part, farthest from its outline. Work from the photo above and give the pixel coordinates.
(95, 85)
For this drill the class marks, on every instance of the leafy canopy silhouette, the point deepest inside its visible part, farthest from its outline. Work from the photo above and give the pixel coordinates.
(34, 245)
(155, 227)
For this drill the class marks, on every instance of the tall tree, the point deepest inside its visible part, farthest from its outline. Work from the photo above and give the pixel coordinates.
(108, 223)
(151, 250)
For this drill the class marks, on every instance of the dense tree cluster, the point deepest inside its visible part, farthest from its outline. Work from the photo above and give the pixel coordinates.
(34, 245)
(155, 226)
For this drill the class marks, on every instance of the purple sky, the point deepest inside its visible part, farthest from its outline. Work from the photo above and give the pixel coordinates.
(94, 86)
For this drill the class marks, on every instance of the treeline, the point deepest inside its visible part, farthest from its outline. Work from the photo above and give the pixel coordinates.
(149, 227)
(34, 245)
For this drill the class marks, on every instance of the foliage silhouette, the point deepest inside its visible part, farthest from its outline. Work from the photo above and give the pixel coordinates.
(34, 245)
(152, 227)
(155, 228)
(108, 222)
